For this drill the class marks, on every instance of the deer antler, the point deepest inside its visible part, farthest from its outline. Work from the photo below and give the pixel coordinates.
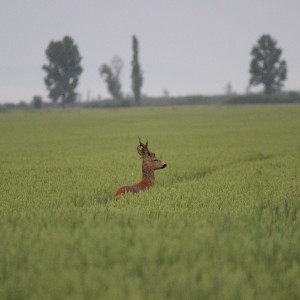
(141, 144)
(143, 148)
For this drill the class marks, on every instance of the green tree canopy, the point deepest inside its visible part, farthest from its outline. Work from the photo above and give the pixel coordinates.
(111, 74)
(266, 68)
(63, 70)
(136, 74)
(37, 101)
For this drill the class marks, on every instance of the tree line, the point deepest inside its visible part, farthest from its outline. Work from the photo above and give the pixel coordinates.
(64, 69)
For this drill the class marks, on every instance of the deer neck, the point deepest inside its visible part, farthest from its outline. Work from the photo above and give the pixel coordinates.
(148, 174)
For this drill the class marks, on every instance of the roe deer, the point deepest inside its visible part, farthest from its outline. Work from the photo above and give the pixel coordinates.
(150, 164)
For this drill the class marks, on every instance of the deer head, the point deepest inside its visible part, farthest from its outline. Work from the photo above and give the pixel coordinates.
(149, 158)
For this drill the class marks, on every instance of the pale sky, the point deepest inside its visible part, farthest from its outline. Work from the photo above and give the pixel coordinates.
(187, 47)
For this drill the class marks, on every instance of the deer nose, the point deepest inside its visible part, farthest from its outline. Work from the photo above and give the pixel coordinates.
(163, 166)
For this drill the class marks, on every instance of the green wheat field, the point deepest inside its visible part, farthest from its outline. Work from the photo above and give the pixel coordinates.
(222, 222)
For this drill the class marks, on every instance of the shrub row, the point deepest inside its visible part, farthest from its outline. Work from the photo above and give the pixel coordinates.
(290, 97)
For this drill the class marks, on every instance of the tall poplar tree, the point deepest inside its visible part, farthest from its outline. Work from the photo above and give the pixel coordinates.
(136, 73)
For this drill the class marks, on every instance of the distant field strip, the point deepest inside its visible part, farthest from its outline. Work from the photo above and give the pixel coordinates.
(222, 222)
